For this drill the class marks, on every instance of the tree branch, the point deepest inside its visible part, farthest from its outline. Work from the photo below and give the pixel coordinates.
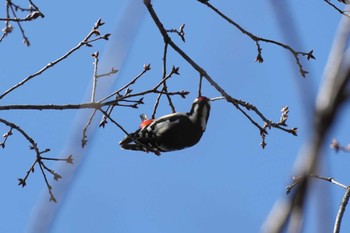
(38, 160)
(341, 211)
(255, 38)
(329, 102)
(336, 8)
(86, 41)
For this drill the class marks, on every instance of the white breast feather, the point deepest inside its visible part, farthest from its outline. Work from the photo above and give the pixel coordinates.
(204, 119)
(193, 117)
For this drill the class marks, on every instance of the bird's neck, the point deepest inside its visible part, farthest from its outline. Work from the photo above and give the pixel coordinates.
(199, 115)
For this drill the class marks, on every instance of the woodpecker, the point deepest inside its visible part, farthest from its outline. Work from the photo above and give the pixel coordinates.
(171, 132)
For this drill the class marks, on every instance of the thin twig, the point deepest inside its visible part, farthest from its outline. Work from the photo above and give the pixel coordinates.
(165, 88)
(49, 187)
(6, 136)
(341, 211)
(255, 38)
(329, 101)
(336, 8)
(296, 180)
(142, 93)
(69, 159)
(343, 204)
(52, 106)
(84, 137)
(38, 160)
(179, 32)
(21, 131)
(200, 85)
(3, 36)
(116, 93)
(11, 7)
(113, 71)
(156, 106)
(85, 41)
(25, 38)
(32, 3)
(90, 105)
(93, 95)
(94, 78)
(26, 19)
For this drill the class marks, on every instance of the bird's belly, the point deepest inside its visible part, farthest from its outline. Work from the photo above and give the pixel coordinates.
(179, 139)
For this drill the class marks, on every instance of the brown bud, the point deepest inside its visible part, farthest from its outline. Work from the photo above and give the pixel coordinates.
(259, 58)
(147, 67)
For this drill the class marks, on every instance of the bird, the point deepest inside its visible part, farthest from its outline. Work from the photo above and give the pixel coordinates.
(172, 132)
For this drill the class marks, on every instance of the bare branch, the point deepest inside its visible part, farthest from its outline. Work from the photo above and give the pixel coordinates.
(343, 204)
(94, 78)
(52, 106)
(341, 211)
(25, 135)
(345, 13)
(330, 99)
(179, 32)
(84, 139)
(11, 16)
(85, 41)
(49, 187)
(257, 39)
(165, 88)
(25, 38)
(117, 93)
(39, 159)
(6, 136)
(296, 181)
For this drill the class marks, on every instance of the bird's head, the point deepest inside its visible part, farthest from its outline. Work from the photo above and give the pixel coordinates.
(200, 110)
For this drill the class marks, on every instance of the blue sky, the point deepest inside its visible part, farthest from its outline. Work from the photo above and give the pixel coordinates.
(226, 183)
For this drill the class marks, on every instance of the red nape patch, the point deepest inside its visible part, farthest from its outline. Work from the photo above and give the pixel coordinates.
(146, 122)
(203, 98)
